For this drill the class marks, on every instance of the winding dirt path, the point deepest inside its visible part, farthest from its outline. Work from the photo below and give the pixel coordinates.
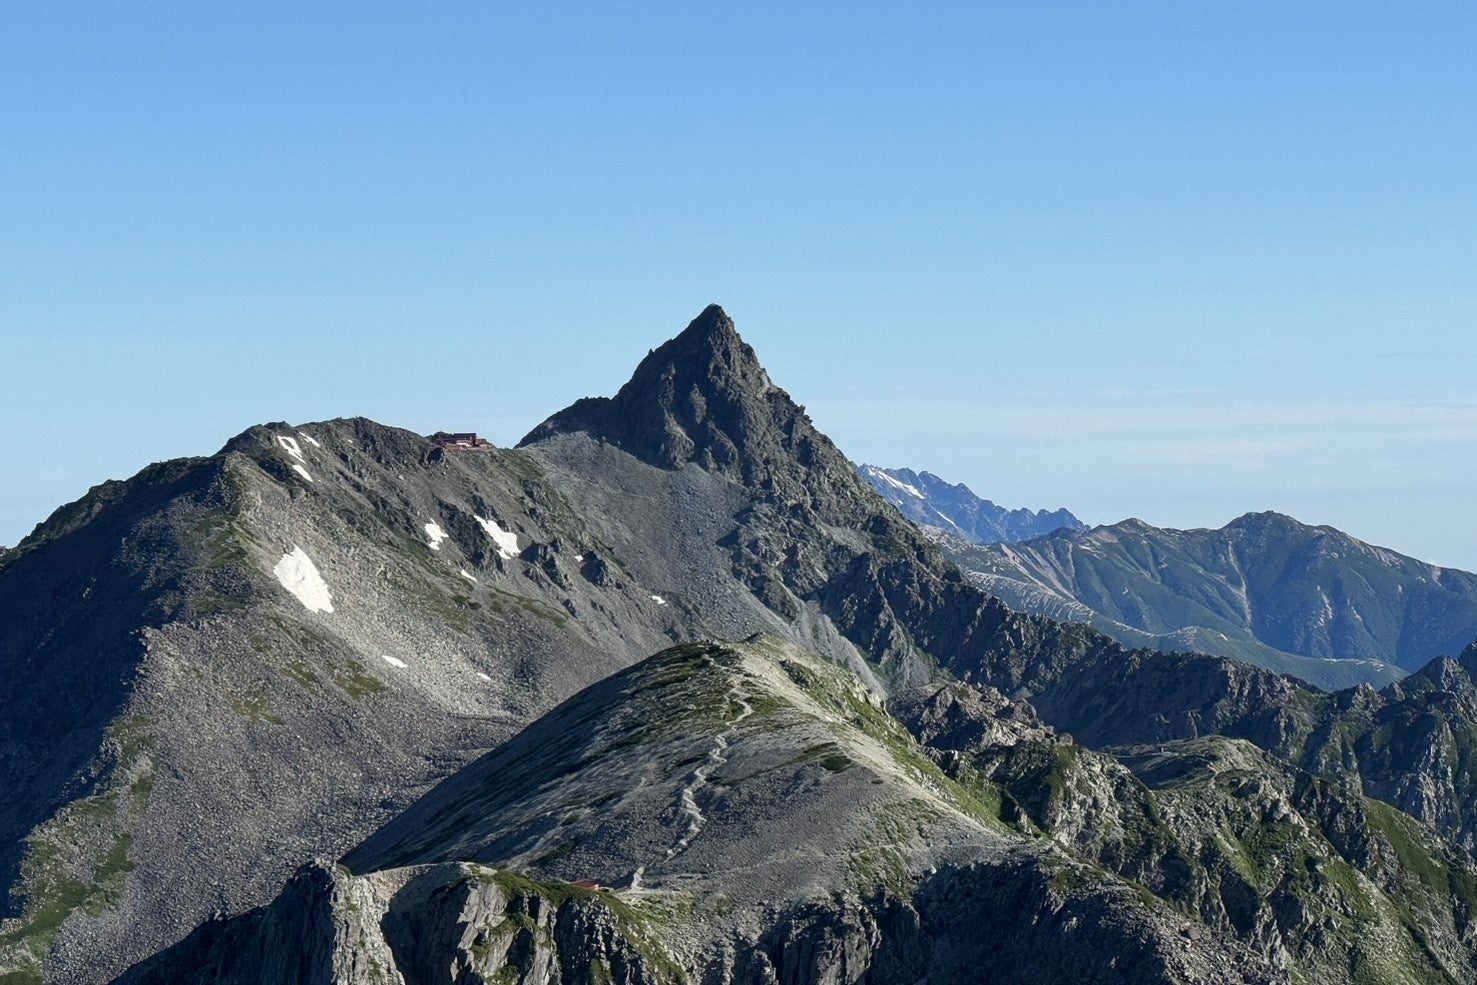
(687, 797)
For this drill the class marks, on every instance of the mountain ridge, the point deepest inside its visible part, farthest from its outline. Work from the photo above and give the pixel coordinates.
(817, 840)
(954, 508)
(1264, 588)
(432, 627)
(473, 592)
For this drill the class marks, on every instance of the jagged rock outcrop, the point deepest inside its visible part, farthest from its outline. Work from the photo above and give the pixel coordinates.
(955, 717)
(1409, 745)
(1326, 884)
(446, 923)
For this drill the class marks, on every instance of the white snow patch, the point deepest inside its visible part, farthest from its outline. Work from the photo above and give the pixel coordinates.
(467, 575)
(437, 535)
(484, 677)
(300, 576)
(897, 484)
(579, 558)
(659, 600)
(393, 661)
(506, 540)
(292, 447)
(309, 439)
(301, 471)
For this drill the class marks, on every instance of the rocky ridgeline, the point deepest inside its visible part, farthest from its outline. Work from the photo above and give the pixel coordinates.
(788, 829)
(739, 747)
(305, 643)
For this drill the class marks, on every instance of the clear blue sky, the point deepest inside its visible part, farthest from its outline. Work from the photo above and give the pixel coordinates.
(1176, 261)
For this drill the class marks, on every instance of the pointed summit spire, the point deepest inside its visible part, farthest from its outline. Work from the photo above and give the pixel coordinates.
(708, 353)
(697, 397)
(703, 398)
(712, 321)
(710, 331)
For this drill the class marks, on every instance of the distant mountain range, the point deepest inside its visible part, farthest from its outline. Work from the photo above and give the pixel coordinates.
(1307, 601)
(1310, 601)
(928, 500)
(667, 694)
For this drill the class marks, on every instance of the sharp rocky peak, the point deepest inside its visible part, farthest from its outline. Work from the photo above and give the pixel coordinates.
(703, 398)
(709, 338)
(704, 378)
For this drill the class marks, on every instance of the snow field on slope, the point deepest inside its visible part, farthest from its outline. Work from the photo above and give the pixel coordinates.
(297, 573)
(291, 446)
(505, 540)
(902, 487)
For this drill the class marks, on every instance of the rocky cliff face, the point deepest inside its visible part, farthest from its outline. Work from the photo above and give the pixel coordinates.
(450, 923)
(954, 509)
(1309, 601)
(1321, 881)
